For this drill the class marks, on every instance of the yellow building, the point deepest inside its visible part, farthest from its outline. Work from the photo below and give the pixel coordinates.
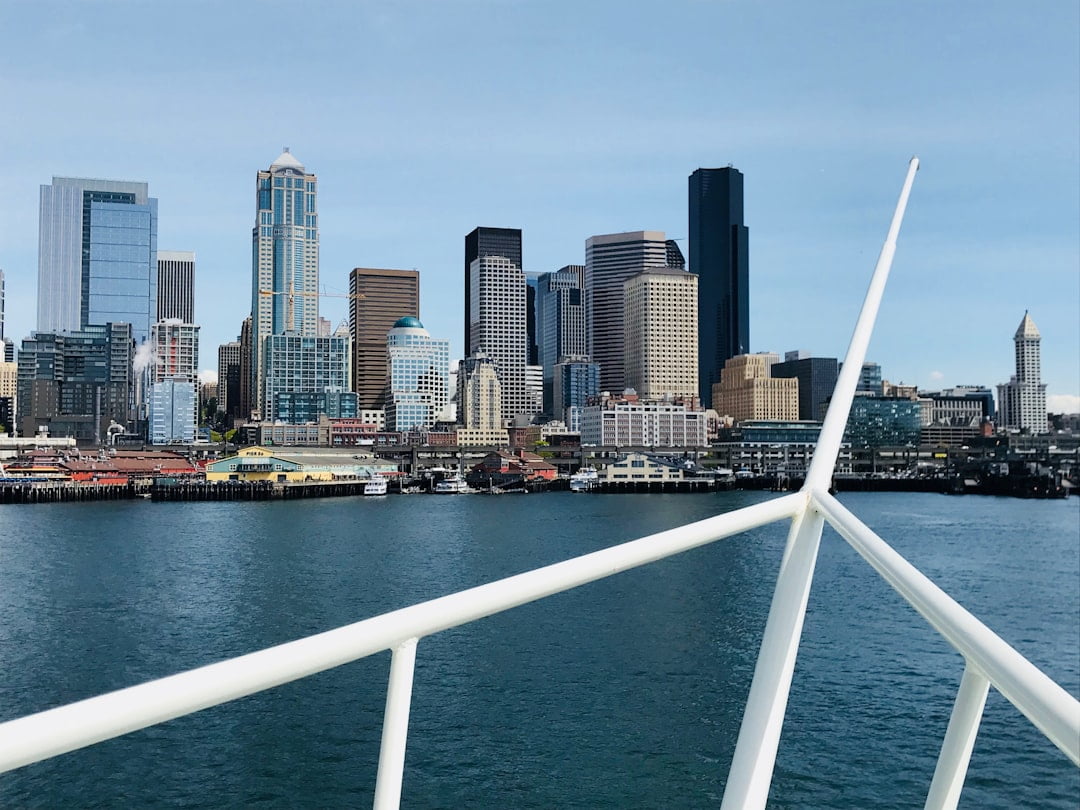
(748, 391)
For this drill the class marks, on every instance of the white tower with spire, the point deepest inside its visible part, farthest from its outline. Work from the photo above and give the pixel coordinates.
(1022, 400)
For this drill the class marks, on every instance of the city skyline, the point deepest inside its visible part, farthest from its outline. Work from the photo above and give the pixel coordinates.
(992, 227)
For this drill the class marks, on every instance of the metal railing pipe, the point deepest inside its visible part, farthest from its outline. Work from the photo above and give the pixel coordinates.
(832, 430)
(1048, 706)
(395, 727)
(56, 731)
(959, 742)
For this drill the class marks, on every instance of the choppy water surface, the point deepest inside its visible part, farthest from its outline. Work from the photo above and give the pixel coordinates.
(625, 693)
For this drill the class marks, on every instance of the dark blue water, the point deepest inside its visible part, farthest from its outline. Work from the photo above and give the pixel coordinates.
(625, 693)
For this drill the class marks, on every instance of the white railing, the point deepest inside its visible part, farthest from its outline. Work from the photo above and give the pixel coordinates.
(989, 660)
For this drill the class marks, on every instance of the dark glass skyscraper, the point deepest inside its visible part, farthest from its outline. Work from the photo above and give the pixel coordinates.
(505, 242)
(719, 257)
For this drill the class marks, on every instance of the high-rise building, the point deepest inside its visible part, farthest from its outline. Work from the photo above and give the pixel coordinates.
(661, 333)
(176, 351)
(173, 412)
(285, 260)
(1, 307)
(560, 323)
(625, 421)
(869, 384)
(817, 379)
(247, 374)
(418, 369)
(497, 305)
(302, 365)
(609, 261)
(719, 256)
(228, 393)
(505, 242)
(1022, 400)
(479, 400)
(76, 383)
(97, 255)
(748, 391)
(176, 285)
(378, 300)
(575, 380)
(9, 376)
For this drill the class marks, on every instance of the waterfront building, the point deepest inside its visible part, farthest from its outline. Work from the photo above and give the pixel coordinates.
(771, 447)
(175, 285)
(877, 421)
(660, 333)
(228, 393)
(498, 327)
(560, 324)
(479, 396)
(1022, 400)
(574, 381)
(97, 255)
(643, 468)
(176, 351)
(961, 406)
(418, 370)
(720, 257)
(377, 300)
(308, 407)
(76, 383)
(302, 364)
(284, 262)
(505, 242)
(173, 411)
(9, 376)
(747, 390)
(625, 421)
(610, 260)
(817, 379)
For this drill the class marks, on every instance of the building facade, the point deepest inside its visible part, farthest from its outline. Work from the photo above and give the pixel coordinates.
(284, 260)
(228, 393)
(497, 307)
(720, 257)
(479, 396)
(97, 255)
(377, 300)
(877, 421)
(505, 242)
(560, 323)
(304, 365)
(418, 370)
(660, 333)
(176, 351)
(175, 286)
(173, 412)
(610, 260)
(575, 381)
(817, 379)
(609, 421)
(76, 384)
(1022, 400)
(747, 390)
(9, 376)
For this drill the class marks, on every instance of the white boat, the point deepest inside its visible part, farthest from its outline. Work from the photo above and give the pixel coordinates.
(376, 485)
(454, 485)
(584, 480)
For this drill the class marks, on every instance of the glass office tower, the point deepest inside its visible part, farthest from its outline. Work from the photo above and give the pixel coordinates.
(97, 255)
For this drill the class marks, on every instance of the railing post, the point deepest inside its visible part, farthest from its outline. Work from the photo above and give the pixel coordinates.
(395, 727)
(759, 736)
(959, 741)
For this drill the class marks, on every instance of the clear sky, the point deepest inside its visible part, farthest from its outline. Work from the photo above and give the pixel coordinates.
(423, 120)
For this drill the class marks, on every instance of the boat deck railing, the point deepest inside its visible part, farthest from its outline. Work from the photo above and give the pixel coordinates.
(988, 660)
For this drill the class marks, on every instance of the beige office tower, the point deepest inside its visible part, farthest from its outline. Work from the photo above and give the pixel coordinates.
(610, 260)
(378, 300)
(661, 333)
(747, 390)
(479, 402)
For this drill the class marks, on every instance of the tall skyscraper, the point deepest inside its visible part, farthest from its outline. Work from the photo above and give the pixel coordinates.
(661, 333)
(97, 255)
(1022, 400)
(228, 393)
(505, 242)
(378, 300)
(560, 323)
(609, 261)
(247, 373)
(720, 258)
(176, 285)
(574, 381)
(497, 308)
(418, 367)
(285, 259)
(176, 351)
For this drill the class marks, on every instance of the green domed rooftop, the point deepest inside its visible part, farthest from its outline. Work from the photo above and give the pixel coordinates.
(408, 322)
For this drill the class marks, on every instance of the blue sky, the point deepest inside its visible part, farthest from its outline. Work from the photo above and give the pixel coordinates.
(426, 119)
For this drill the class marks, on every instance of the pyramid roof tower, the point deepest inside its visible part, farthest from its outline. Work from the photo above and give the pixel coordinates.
(1027, 328)
(286, 160)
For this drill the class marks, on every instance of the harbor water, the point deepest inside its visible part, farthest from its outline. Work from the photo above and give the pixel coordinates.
(621, 694)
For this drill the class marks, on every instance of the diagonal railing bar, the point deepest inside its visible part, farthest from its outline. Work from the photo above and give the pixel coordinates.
(76, 725)
(1047, 705)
